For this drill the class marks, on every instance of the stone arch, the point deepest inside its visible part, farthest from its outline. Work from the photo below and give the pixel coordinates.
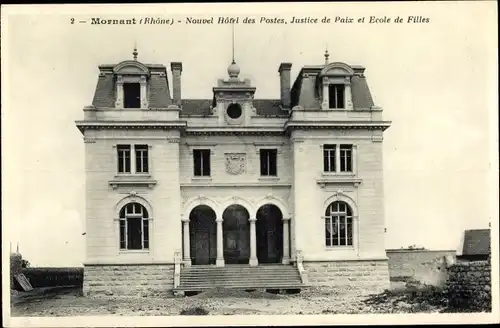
(235, 200)
(337, 68)
(271, 200)
(134, 199)
(200, 200)
(131, 67)
(342, 198)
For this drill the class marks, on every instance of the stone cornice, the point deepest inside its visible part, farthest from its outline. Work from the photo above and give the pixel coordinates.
(170, 108)
(135, 125)
(230, 88)
(221, 130)
(210, 184)
(200, 130)
(366, 125)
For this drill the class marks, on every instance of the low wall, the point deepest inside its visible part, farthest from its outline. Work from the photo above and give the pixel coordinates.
(424, 266)
(143, 280)
(54, 277)
(469, 285)
(367, 276)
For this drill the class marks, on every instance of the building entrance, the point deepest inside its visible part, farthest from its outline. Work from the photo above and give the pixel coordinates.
(269, 234)
(203, 235)
(236, 235)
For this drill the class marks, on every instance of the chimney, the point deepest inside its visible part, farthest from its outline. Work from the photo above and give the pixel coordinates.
(176, 80)
(284, 71)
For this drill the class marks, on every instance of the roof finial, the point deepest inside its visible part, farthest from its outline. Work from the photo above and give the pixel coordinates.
(326, 55)
(233, 62)
(135, 53)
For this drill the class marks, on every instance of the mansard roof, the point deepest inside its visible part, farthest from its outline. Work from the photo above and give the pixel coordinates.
(264, 107)
(104, 95)
(304, 91)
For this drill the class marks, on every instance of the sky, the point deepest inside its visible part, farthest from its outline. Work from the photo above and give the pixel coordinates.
(436, 81)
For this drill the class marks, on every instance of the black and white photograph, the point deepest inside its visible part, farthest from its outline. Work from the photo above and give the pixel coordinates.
(249, 164)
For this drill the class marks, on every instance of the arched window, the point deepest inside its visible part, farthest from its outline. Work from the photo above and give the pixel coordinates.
(134, 227)
(338, 225)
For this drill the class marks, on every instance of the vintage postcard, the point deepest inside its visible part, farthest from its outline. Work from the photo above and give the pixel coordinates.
(249, 164)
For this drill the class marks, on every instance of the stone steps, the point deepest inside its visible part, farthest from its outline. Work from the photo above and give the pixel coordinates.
(197, 278)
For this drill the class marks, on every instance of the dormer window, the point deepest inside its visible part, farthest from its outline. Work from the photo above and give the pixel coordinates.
(335, 86)
(131, 85)
(132, 95)
(336, 96)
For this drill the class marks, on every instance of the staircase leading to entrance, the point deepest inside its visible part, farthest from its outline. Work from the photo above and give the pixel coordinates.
(269, 276)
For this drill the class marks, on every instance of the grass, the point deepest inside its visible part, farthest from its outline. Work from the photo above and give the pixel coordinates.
(197, 310)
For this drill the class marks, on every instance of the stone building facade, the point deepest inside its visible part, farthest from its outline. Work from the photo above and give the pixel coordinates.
(233, 179)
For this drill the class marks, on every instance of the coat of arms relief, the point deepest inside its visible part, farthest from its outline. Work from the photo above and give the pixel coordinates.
(235, 163)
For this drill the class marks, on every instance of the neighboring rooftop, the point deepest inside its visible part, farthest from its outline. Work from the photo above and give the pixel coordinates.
(477, 242)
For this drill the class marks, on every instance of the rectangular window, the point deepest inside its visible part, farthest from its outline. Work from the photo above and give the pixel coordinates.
(329, 158)
(123, 158)
(268, 165)
(336, 95)
(345, 158)
(141, 159)
(338, 231)
(201, 159)
(134, 233)
(131, 95)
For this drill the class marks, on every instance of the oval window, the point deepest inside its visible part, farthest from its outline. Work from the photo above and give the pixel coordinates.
(234, 111)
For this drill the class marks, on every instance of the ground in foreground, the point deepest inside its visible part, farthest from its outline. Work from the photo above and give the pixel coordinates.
(69, 302)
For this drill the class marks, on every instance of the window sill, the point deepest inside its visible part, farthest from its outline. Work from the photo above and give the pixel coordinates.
(269, 178)
(339, 248)
(336, 179)
(134, 251)
(201, 179)
(338, 174)
(132, 175)
(143, 180)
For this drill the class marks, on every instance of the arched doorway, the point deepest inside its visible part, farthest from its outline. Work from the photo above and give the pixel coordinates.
(236, 235)
(269, 233)
(202, 235)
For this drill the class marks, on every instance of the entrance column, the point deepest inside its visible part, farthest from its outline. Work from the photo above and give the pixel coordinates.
(286, 242)
(187, 251)
(253, 243)
(220, 245)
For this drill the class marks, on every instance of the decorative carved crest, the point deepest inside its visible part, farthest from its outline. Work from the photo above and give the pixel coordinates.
(235, 163)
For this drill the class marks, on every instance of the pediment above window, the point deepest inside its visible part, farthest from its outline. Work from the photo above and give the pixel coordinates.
(337, 69)
(131, 67)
